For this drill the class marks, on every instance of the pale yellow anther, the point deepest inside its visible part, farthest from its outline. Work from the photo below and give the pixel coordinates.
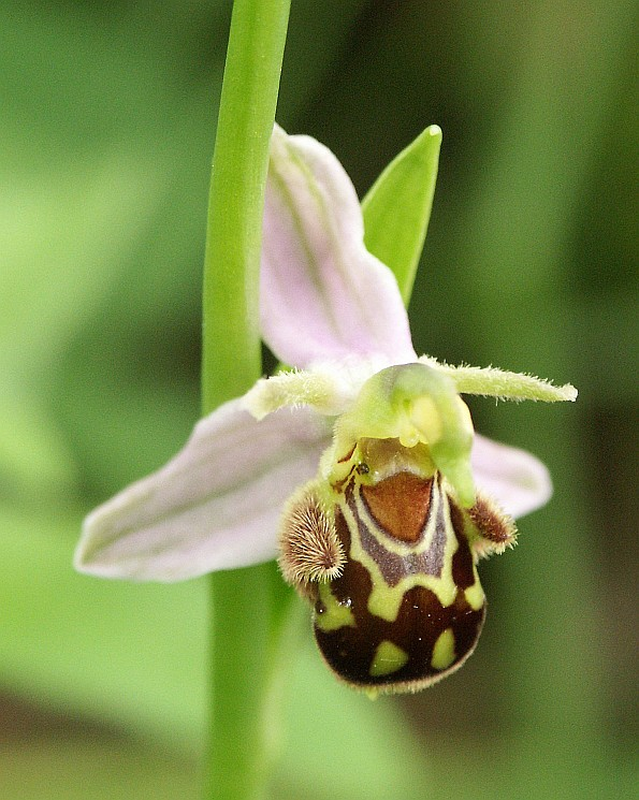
(427, 419)
(465, 418)
(408, 434)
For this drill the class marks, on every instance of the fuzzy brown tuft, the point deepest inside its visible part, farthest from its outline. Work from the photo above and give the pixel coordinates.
(496, 528)
(310, 549)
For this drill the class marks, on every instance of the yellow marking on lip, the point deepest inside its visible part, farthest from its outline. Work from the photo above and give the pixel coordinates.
(385, 601)
(475, 595)
(335, 614)
(444, 650)
(388, 658)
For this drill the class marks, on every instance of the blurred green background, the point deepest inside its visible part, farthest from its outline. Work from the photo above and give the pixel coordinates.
(108, 117)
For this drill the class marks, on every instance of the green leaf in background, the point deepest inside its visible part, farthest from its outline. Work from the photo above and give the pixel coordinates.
(36, 462)
(398, 205)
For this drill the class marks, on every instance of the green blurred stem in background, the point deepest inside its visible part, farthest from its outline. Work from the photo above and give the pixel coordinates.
(249, 605)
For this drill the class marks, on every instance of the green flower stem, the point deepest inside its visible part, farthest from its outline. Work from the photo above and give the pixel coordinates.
(231, 338)
(248, 605)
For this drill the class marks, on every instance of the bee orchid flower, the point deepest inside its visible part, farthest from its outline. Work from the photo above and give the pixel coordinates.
(358, 467)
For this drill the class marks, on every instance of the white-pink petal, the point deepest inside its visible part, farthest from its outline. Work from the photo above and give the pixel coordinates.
(323, 295)
(214, 506)
(516, 479)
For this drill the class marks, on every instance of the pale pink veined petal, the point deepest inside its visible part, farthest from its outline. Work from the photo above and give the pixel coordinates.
(214, 506)
(323, 295)
(517, 480)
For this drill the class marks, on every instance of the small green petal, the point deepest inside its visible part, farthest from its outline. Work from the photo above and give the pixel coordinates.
(397, 208)
(329, 388)
(491, 382)
(292, 389)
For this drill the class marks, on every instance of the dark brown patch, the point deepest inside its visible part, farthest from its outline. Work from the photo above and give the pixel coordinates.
(463, 572)
(420, 622)
(400, 505)
(393, 566)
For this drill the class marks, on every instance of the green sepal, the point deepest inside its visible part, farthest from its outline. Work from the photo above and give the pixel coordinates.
(397, 208)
